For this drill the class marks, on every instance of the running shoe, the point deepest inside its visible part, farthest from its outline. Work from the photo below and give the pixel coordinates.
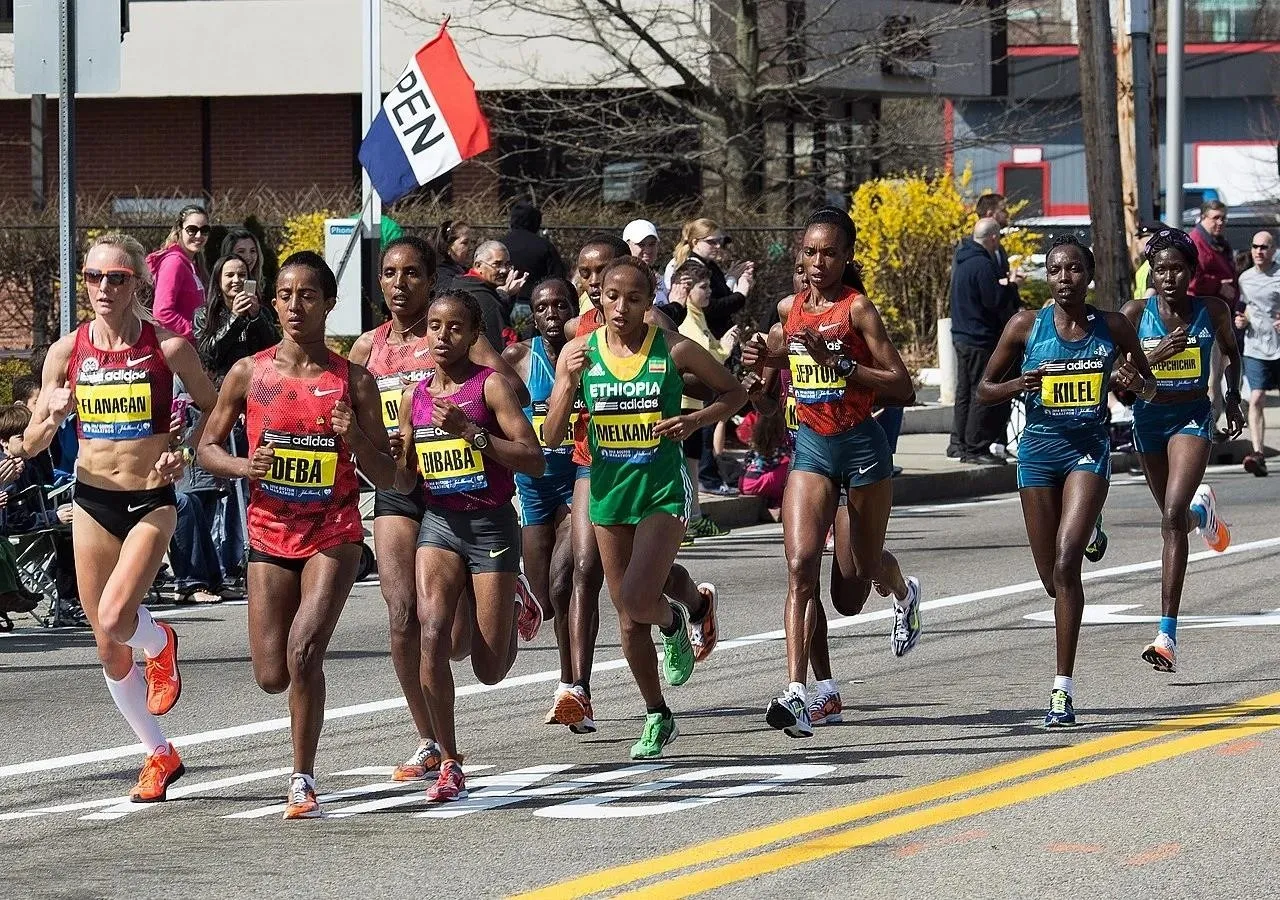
(302, 802)
(450, 784)
(705, 634)
(1061, 714)
(830, 545)
(1256, 464)
(551, 718)
(530, 618)
(1215, 533)
(826, 709)
(677, 660)
(687, 540)
(906, 622)
(720, 490)
(161, 769)
(705, 527)
(425, 760)
(786, 712)
(659, 730)
(164, 681)
(1162, 653)
(1098, 546)
(573, 708)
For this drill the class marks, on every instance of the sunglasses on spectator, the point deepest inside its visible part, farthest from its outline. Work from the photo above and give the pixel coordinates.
(1260, 246)
(723, 241)
(114, 277)
(193, 230)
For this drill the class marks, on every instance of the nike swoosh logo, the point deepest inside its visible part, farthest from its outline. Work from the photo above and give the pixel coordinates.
(494, 554)
(320, 393)
(130, 361)
(134, 509)
(863, 470)
(828, 326)
(421, 353)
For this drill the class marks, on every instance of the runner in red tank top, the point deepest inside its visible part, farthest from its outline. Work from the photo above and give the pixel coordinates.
(840, 357)
(115, 373)
(307, 411)
(398, 357)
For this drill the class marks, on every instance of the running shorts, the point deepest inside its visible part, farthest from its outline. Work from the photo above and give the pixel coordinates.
(1155, 423)
(284, 562)
(488, 540)
(854, 458)
(394, 503)
(541, 497)
(119, 511)
(1047, 460)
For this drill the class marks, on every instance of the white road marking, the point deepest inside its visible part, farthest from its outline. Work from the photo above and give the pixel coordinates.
(505, 795)
(121, 810)
(1114, 614)
(553, 675)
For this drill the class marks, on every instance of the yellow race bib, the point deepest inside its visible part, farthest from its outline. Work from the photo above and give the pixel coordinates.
(390, 389)
(1181, 371)
(539, 409)
(448, 464)
(793, 421)
(1071, 386)
(115, 411)
(304, 467)
(810, 381)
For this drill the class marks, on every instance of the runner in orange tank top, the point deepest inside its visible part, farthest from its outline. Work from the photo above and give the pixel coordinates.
(840, 357)
(308, 411)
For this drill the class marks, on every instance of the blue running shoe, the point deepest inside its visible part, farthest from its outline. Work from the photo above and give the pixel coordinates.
(1061, 714)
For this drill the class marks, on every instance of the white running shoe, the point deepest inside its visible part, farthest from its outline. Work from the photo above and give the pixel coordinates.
(1162, 653)
(906, 622)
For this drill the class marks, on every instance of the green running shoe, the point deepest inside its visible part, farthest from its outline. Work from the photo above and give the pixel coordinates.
(677, 661)
(705, 527)
(1098, 546)
(659, 730)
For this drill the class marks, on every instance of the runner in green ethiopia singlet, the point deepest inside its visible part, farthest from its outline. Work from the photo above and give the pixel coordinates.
(634, 473)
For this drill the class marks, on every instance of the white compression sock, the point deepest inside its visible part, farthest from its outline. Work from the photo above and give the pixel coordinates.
(148, 637)
(799, 690)
(828, 686)
(1062, 683)
(130, 695)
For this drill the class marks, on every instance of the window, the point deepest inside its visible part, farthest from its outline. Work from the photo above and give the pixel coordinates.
(1025, 181)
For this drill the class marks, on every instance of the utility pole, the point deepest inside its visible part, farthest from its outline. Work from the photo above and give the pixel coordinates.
(371, 205)
(67, 163)
(1113, 280)
(1173, 117)
(1133, 93)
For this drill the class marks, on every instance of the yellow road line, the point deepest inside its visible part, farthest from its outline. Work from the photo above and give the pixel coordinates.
(731, 845)
(862, 835)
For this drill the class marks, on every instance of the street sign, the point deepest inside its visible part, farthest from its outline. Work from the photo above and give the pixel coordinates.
(35, 47)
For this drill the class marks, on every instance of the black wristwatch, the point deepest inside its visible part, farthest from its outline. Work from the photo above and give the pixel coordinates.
(480, 440)
(845, 367)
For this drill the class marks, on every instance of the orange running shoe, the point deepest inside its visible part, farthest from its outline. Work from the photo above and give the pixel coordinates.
(573, 708)
(164, 681)
(161, 769)
(450, 784)
(705, 633)
(425, 759)
(302, 802)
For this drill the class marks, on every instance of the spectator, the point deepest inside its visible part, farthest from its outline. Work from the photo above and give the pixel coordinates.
(244, 243)
(66, 446)
(193, 555)
(1260, 322)
(769, 457)
(979, 312)
(454, 248)
(1142, 286)
(704, 241)
(641, 236)
(995, 206)
(177, 269)
(490, 280)
(529, 251)
(1215, 276)
(233, 323)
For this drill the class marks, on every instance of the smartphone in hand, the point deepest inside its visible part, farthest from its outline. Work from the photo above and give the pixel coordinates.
(251, 287)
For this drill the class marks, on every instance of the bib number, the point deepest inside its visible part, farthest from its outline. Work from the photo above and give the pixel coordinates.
(539, 418)
(812, 382)
(1070, 387)
(1181, 371)
(390, 389)
(115, 411)
(448, 464)
(304, 467)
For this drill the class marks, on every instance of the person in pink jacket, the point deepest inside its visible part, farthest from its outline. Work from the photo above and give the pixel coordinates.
(1215, 276)
(177, 267)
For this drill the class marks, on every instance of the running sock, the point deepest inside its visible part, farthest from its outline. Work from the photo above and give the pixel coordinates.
(1062, 683)
(130, 695)
(677, 622)
(148, 637)
(563, 686)
(828, 686)
(660, 708)
(309, 780)
(798, 690)
(1169, 626)
(1200, 515)
(585, 685)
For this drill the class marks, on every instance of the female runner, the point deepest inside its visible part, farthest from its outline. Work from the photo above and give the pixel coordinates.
(465, 433)
(1065, 353)
(307, 410)
(116, 373)
(840, 358)
(630, 374)
(397, 356)
(1173, 431)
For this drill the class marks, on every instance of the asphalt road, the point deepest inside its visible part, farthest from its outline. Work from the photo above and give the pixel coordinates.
(939, 783)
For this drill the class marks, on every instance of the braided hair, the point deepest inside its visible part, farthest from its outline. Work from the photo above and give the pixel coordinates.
(1070, 240)
(468, 302)
(839, 220)
(1173, 239)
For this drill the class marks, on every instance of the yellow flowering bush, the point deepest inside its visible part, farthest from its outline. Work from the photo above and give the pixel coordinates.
(908, 229)
(304, 231)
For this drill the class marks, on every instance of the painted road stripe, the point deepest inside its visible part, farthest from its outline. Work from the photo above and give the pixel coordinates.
(895, 826)
(553, 675)
(1035, 764)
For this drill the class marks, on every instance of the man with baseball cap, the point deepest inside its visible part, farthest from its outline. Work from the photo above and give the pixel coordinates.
(641, 236)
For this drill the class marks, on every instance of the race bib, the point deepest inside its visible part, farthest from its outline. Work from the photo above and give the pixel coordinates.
(811, 382)
(539, 417)
(448, 464)
(1070, 386)
(114, 404)
(304, 466)
(1179, 372)
(390, 389)
(793, 421)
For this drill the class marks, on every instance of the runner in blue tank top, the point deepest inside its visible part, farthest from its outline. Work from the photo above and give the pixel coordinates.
(1173, 430)
(545, 501)
(1065, 354)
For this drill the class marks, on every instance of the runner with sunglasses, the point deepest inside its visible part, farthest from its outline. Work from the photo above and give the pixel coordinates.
(1172, 431)
(116, 372)
(311, 416)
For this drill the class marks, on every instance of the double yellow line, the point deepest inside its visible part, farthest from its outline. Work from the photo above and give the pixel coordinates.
(1199, 731)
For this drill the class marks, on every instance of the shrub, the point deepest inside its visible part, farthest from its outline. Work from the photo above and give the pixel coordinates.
(304, 231)
(11, 368)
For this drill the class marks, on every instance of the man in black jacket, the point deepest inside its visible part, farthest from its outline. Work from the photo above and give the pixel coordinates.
(980, 308)
(488, 281)
(530, 252)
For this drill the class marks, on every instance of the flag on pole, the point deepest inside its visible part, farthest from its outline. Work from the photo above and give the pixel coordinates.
(429, 123)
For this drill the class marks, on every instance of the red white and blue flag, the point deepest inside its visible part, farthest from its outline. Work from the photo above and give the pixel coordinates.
(429, 123)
